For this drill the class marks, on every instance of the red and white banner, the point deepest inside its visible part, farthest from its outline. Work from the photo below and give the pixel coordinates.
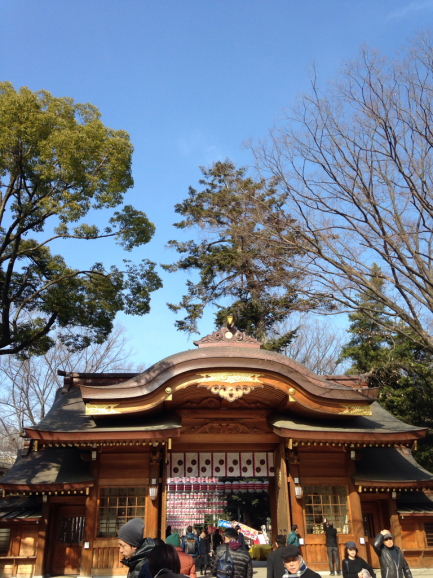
(191, 465)
(247, 466)
(221, 464)
(233, 465)
(177, 465)
(205, 464)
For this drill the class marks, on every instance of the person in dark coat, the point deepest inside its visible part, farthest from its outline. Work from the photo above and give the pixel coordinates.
(392, 562)
(353, 564)
(164, 562)
(188, 538)
(242, 564)
(241, 537)
(295, 565)
(332, 546)
(134, 548)
(204, 560)
(217, 539)
(274, 562)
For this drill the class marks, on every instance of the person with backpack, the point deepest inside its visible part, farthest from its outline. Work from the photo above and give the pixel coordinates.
(191, 544)
(230, 559)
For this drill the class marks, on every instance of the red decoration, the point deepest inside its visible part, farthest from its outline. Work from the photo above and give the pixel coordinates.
(228, 487)
(251, 487)
(244, 487)
(236, 486)
(259, 487)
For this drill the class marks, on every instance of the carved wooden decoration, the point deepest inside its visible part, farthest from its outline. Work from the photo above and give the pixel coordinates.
(356, 410)
(227, 336)
(233, 386)
(101, 409)
(224, 428)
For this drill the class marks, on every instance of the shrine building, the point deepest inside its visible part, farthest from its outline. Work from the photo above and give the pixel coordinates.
(169, 444)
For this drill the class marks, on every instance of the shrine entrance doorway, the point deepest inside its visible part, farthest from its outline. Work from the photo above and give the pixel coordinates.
(68, 540)
(371, 519)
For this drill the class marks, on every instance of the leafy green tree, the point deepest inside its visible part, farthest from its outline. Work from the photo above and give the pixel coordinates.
(227, 258)
(58, 163)
(402, 369)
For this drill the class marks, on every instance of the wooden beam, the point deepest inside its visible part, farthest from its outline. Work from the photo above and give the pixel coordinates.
(90, 526)
(281, 490)
(395, 528)
(42, 545)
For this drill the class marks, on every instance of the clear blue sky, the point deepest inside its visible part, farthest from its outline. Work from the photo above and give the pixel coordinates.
(190, 80)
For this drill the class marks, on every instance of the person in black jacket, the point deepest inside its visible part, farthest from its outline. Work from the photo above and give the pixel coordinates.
(242, 565)
(204, 560)
(217, 539)
(353, 564)
(332, 546)
(392, 562)
(241, 537)
(295, 565)
(274, 562)
(134, 548)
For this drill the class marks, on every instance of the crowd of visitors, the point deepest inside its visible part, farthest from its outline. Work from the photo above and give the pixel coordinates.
(228, 556)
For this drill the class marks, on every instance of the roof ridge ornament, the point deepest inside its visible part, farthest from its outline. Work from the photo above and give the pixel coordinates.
(228, 336)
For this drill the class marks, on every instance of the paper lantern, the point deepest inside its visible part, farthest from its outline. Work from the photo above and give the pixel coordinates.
(236, 486)
(180, 486)
(266, 485)
(244, 487)
(251, 487)
(228, 487)
(171, 487)
(212, 487)
(259, 487)
(203, 486)
(188, 486)
(196, 487)
(220, 488)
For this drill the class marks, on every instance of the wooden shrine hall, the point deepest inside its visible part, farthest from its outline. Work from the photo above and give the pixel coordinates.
(112, 444)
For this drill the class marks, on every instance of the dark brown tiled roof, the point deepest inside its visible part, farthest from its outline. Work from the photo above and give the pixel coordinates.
(68, 414)
(389, 465)
(380, 422)
(49, 466)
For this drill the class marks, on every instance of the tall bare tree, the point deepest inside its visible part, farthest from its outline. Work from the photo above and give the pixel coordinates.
(354, 166)
(316, 345)
(28, 385)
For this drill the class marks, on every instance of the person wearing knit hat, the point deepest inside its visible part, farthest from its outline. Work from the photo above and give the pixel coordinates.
(294, 563)
(133, 546)
(353, 565)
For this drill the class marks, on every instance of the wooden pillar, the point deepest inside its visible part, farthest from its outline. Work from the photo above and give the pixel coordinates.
(357, 520)
(90, 524)
(42, 546)
(296, 504)
(152, 506)
(395, 528)
(273, 504)
(281, 490)
(164, 495)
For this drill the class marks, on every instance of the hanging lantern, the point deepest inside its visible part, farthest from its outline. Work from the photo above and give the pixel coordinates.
(259, 487)
(172, 487)
(212, 487)
(244, 487)
(196, 486)
(251, 487)
(188, 486)
(203, 486)
(220, 488)
(236, 486)
(180, 486)
(266, 486)
(228, 487)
